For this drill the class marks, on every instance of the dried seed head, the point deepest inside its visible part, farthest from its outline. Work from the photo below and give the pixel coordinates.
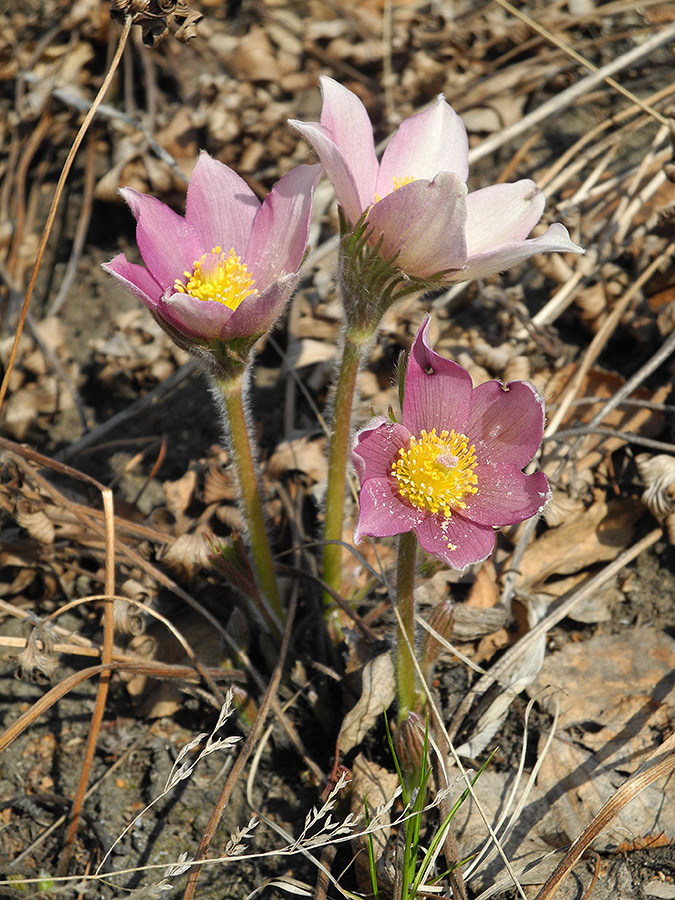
(154, 17)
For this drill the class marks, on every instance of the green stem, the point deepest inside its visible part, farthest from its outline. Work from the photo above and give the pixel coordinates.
(231, 391)
(406, 676)
(352, 353)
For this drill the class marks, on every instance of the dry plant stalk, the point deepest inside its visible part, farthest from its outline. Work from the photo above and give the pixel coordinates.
(659, 765)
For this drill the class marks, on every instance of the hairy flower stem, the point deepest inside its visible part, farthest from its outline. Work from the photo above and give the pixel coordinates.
(231, 390)
(352, 354)
(406, 676)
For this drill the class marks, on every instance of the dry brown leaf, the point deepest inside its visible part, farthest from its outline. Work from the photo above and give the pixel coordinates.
(594, 675)
(378, 689)
(597, 535)
(616, 697)
(306, 454)
(378, 785)
(484, 592)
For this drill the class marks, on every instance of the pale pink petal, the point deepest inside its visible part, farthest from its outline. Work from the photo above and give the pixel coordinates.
(437, 391)
(281, 228)
(506, 495)
(203, 319)
(506, 425)
(352, 200)
(220, 206)
(257, 313)
(501, 213)
(347, 121)
(375, 449)
(135, 278)
(382, 512)
(456, 540)
(556, 240)
(166, 242)
(424, 223)
(427, 143)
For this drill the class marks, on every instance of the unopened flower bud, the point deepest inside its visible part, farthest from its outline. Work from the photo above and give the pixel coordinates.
(442, 620)
(409, 745)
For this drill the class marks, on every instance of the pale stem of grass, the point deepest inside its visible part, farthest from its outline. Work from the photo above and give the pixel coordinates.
(406, 675)
(263, 564)
(340, 431)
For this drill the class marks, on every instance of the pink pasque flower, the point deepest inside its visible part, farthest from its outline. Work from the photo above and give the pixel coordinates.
(452, 469)
(227, 268)
(416, 197)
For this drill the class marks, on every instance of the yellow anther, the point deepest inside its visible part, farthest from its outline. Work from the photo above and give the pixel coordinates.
(219, 277)
(435, 472)
(398, 183)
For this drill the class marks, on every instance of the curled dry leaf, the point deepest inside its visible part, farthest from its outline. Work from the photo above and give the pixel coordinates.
(21, 411)
(561, 509)
(35, 520)
(128, 617)
(658, 474)
(219, 483)
(189, 553)
(37, 661)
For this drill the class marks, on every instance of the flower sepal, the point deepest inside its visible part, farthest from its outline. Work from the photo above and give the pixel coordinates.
(371, 282)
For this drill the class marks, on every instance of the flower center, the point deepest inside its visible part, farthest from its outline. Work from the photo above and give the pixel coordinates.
(436, 472)
(220, 277)
(398, 183)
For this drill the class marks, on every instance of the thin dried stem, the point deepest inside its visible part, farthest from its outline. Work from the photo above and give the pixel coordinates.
(79, 137)
(246, 750)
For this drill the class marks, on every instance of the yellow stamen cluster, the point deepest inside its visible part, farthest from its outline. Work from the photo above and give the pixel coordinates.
(219, 277)
(436, 472)
(398, 183)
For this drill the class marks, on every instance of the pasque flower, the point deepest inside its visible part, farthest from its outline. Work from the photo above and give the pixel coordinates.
(451, 470)
(224, 270)
(416, 198)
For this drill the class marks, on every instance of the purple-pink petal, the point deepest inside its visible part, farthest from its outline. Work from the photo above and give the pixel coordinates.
(502, 213)
(506, 495)
(437, 390)
(375, 449)
(427, 143)
(469, 542)
(220, 207)
(135, 278)
(382, 512)
(203, 319)
(167, 243)
(424, 223)
(258, 312)
(506, 425)
(281, 227)
(556, 240)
